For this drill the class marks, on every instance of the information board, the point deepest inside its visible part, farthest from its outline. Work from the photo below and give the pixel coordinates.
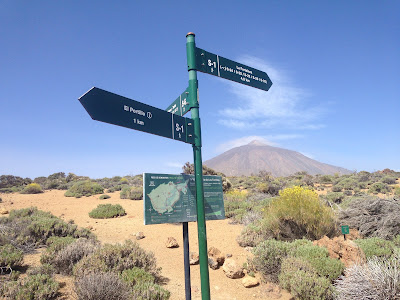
(171, 198)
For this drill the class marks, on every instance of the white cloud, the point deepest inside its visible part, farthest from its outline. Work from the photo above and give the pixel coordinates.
(282, 106)
(270, 140)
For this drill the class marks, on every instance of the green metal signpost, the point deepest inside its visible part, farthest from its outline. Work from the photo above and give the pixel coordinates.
(114, 109)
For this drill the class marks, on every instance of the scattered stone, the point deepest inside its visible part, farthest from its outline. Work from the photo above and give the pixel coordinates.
(345, 250)
(195, 289)
(216, 255)
(139, 235)
(228, 255)
(3, 211)
(217, 287)
(1, 200)
(249, 281)
(231, 269)
(248, 249)
(89, 227)
(171, 243)
(193, 258)
(212, 263)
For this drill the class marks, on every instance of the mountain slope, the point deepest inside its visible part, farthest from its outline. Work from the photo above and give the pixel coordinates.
(255, 157)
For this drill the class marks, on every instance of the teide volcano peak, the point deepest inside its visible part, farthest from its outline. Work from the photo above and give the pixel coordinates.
(256, 156)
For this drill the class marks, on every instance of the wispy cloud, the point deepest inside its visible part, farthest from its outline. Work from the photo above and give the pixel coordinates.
(177, 165)
(271, 140)
(282, 106)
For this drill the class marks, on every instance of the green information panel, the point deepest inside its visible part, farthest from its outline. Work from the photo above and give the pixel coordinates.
(181, 105)
(118, 110)
(213, 64)
(345, 229)
(172, 198)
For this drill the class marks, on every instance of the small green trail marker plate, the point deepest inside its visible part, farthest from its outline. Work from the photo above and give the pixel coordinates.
(181, 105)
(118, 110)
(171, 198)
(216, 65)
(345, 229)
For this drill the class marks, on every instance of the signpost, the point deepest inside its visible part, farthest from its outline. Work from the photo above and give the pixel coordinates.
(117, 110)
(216, 65)
(172, 198)
(181, 105)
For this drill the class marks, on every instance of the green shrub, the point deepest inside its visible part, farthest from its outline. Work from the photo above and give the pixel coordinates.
(325, 179)
(105, 211)
(117, 258)
(379, 187)
(9, 181)
(33, 287)
(300, 279)
(376, 247)
(102, 197)
(42, 269)
(318, 258)
(29, 228)
(337, 188)
(298, 212)
(336, 197)
(10, 256)
(389, 179)
(133, 193)
(64, 258)
(397, 191)
(32, 188)
(101, 286)
(136, 276)
(268, 257)
(84, 188)
(254, 233)
(149, 291)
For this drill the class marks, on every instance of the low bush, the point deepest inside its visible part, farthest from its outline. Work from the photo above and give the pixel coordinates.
(10, 256)
(29, 228)
(318, 258)
(150, 291)
(102, 197)
(117, 258)
(300, 279)
(376, 247)
(254, 233)
(105, 211)
(377, 279)
(32, 188)
(298, 212)
(64, 258)
(379, 187)
(46, 269)
(132, 193)
(336, 197)
(84, 188)
(33, 287)
(136, 276)
(101, 286)
(268, 257)
(397, 191)
(389, 179)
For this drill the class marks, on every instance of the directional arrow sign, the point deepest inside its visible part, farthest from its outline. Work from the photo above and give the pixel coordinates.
(181, 105)
(114, 109)
(213, 64)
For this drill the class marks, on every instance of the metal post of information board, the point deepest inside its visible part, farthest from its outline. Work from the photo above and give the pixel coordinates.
(198, 165)
(186, 261)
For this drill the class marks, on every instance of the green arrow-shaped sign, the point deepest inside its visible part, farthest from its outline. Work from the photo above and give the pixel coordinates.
(216, 65)
(114, 109)
(181, 105)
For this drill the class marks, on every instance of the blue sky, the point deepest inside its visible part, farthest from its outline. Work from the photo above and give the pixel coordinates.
(334, 67)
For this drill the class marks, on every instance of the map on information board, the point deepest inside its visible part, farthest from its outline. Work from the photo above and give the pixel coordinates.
(172, 198)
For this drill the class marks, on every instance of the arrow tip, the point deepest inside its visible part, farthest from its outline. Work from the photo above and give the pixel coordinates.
(86, 93)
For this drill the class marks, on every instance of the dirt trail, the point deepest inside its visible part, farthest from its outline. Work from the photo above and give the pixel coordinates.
(220, 234)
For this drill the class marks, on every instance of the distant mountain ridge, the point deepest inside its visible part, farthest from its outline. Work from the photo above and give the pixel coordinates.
(256, 156)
